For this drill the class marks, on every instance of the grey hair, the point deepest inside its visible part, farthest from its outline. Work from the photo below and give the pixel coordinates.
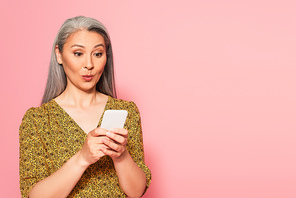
(56, 80)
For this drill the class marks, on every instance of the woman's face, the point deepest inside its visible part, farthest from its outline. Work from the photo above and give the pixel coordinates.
(83, 58)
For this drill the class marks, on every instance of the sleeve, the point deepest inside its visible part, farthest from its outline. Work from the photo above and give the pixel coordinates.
(135, 141)
(32, 163)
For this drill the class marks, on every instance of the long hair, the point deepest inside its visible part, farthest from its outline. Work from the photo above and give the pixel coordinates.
(56, 80)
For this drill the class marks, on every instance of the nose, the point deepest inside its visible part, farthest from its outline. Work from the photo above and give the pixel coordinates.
(89, 63)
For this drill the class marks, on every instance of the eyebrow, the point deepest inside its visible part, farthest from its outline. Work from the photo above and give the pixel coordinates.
(77, 45)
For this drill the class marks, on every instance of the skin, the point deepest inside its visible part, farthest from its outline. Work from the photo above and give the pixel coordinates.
(84, 54)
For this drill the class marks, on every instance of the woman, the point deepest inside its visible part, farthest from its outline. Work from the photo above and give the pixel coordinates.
(63, 151)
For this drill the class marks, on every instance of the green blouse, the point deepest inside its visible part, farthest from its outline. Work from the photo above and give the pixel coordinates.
(48, 137)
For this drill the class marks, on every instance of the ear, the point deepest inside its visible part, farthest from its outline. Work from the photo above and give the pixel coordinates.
(58, 55)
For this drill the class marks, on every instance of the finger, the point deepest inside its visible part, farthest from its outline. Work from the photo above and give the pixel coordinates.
(117, 138)
(111, 153)
(100, 153)
(99, 140)
(98, 132)
(95, 140)
(94, 147)
(102, 146)
(120, 131)
(112, 145)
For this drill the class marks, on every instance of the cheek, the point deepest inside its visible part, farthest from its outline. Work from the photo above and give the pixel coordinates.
(101, 70)
(71, 65)
(101, 65)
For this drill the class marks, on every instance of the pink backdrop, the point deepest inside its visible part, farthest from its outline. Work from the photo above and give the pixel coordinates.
(214, 80)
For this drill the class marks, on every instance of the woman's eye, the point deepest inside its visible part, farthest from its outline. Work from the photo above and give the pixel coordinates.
(77, 53)
(98, 54)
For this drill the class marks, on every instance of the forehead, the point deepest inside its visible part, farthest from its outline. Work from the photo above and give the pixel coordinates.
(85, 38)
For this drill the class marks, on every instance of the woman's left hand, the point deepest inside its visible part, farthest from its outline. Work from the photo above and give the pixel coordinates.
(116, 140)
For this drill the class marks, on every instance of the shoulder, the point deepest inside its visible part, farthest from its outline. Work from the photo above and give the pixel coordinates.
(121, 104)
(35, 119)
(34, 114)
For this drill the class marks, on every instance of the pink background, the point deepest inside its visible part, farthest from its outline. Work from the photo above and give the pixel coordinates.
(214, 80)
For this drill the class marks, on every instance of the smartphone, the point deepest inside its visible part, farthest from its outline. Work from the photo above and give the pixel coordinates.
(114, 119)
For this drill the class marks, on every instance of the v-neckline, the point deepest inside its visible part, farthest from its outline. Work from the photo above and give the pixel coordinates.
(75, 123)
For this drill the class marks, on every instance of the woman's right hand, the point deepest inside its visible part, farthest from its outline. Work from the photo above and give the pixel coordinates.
(65, 178)
(91, 150)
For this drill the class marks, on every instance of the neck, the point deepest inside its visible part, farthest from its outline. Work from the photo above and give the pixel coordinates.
(79, 98)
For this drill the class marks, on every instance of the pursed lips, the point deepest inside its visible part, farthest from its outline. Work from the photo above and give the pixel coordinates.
(87, 77)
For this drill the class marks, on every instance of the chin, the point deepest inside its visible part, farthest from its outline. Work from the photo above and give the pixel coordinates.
(88, 89)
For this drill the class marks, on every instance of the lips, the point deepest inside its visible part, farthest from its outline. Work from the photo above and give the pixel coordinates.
(87, 77)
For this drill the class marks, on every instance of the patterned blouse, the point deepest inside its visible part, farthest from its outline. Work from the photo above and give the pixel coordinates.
(48, 137)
